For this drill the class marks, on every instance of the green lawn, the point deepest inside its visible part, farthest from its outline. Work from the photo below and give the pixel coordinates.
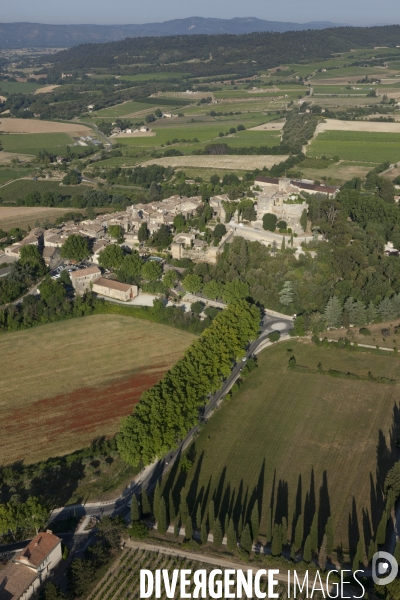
(299, 441)
(33, 143)
(15, 87)
(357, 146)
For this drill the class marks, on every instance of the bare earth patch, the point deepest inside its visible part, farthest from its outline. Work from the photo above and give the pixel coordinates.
(267, 127)
(246, 163)
(46, 89)
(6, 157)
(37, 126)
(135, 134)
(22, 216)
(335, 125)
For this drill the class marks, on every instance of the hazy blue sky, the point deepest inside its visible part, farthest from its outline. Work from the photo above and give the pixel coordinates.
(356, 12)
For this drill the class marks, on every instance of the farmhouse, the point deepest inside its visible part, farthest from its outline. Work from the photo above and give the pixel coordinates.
(82, 279)
(115, 289)
(294, 186)
(24, 575)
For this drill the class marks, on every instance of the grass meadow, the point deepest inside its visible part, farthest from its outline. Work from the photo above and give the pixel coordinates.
(33, 143)
(16, 87)
(20, 188)
(78, 377)
(357, 146)
(299, 442)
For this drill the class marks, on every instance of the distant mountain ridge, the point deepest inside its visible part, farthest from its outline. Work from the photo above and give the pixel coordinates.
(24, 35)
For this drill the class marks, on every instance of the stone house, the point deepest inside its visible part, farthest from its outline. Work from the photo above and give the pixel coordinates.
(51, 256)
(115, 289)
(28, 570)
(83, 278)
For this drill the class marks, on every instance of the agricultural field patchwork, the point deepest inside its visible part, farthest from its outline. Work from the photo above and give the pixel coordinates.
(81, 376)
(357, 146)
(300, 442)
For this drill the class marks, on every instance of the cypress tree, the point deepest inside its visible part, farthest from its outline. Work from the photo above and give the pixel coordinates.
(293, 552)
(255, 523)
(240, 526)
(269, 526)
(314, 534)
(162, 518)
(217, 533)
(231, 541)
(211, 514)
(135, 513)
(372, 548)
(299, 532)
(283, 244)
(245, 539)
(381, 531)
(188, 528)
(284, 531)
(322, 554)
(146, 506)
(276, 547)
(171, 507)
(203, 533)
(198, 516)
(156, 501)
(329, 536)
(307, 550)
(183, 510)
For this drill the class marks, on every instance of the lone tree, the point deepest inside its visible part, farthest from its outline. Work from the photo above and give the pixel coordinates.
(143, 233)
(269, 222)
(76, 248)
(111, 256)
(286, 294)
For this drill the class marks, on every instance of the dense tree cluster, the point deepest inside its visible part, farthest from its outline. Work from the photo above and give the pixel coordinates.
(169, 409)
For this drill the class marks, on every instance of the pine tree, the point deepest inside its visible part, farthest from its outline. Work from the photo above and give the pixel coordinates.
(372, 549)
(329, 536)
(286, 294)
(162, 518)
(381, 531)
(322, 554)
(217, 533)
(198, 516)
(314, 534)
(146, 506)
(276, 547)
(254, 520)
(269, 526)
(240, 526)
(156, 501)
(211, 514)
(372, 313)
(135, 512)
(231, 541)
(245, 539)
(171, 507)
(299, 532)
(333, 312)
(307, 550)
(203, 533)
(284, 531)
(188, 528)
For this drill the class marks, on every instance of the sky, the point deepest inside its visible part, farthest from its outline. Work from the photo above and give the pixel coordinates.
(353, 12)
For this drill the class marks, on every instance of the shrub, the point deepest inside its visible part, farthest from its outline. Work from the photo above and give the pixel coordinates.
(274, 336)
(364, 331)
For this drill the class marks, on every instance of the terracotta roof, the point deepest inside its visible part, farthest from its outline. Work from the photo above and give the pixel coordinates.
(83, 272)
(38, 549)
(49, 251)
(15, 580)
(113, 285)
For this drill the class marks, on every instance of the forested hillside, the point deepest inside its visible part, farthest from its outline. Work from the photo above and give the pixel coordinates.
(227, 53)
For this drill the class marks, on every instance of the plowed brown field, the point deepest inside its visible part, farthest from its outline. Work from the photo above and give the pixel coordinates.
(66, 383)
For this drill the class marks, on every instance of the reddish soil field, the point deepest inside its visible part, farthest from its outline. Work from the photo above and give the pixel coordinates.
(81, 414)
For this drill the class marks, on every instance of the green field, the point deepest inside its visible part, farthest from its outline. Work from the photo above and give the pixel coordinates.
(127, 108)
(19, 189)
(357, 146)
(33, 143)
(341, 89)
(153, 76)
(15, 87)
(9, 174)
(301, 441)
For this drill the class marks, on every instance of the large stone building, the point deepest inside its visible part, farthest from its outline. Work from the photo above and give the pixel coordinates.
(82, 279)
(115, 289)
(283, 202)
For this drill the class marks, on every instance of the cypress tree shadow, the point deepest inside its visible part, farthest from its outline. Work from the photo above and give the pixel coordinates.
(309, 506)
(217, 496)
(204, 505)
(354, 530)
(324, 507)
(282, 502)
(192, 494)
(298, 505)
